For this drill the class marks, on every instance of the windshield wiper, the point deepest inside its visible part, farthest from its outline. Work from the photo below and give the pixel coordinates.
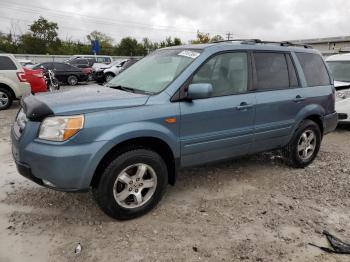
(130, 89)
(124, 88)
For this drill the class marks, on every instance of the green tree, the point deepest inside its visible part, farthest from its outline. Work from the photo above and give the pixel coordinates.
(129, 46)
(41, 39)
(7, 43)
(203, 38)
(216, 38)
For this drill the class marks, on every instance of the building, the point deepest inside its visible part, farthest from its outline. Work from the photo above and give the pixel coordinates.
(329, 45)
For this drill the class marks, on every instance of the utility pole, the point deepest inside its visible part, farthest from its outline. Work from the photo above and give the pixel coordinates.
(229, 34)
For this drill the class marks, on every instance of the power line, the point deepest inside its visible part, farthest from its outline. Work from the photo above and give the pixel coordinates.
(33, 9)
(66, 27)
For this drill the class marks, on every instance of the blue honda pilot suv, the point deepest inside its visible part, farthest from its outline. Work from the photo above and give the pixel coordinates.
(178, 107)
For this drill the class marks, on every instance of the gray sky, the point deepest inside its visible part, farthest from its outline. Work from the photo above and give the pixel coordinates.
(156, 19)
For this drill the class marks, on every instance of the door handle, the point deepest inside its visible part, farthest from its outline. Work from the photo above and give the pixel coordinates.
(298, 99)
(244, 106)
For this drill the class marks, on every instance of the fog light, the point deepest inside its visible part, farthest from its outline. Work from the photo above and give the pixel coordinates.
(47, 183)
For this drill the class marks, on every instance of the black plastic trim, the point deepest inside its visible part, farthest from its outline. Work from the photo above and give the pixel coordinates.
(35, 109)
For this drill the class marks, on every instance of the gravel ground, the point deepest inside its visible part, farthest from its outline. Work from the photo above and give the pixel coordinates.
(248, 209)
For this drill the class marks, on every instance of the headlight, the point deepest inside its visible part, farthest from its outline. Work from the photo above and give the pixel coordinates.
(343, 94)
(61, 128)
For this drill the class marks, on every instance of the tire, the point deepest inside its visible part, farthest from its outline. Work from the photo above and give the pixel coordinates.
(6, 99)
(302, 149)
(90, 78)
(109, 77)
(54, 86)
(72, 80)
(117, 196)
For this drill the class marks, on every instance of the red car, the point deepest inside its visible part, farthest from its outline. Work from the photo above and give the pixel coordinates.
(36, 80)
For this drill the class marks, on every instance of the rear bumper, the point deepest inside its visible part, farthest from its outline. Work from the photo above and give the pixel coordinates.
(330, 123)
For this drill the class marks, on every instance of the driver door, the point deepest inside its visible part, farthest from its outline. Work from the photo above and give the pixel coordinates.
(220, 126)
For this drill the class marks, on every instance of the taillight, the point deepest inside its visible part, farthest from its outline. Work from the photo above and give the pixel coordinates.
(22, 76)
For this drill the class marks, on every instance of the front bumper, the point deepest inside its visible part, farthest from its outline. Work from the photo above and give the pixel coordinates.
(26, 171)
(330, 123)
(65, 167)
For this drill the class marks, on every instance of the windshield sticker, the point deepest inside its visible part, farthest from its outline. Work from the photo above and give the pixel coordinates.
(188, 53)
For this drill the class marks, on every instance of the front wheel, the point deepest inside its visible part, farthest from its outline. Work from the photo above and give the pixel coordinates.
(132, 184)
(109, 77)
(304, 146)
(72, 80)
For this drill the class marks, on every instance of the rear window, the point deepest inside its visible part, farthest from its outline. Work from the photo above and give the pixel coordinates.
(7, 64)
(314, 69)
(271, 71)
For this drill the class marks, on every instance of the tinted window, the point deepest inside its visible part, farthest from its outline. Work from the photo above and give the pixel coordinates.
(6, 63)
(271, 71)
(60, 66)
(103, 60)
(314, 69)
(228, 74)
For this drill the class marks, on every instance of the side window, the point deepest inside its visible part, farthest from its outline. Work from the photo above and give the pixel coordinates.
(228, 74)
(60, 66)
(7, 64)
(271, 71)
(314, 69)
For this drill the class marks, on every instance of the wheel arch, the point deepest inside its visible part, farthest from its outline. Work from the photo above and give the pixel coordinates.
(156, 144)
(8, 88)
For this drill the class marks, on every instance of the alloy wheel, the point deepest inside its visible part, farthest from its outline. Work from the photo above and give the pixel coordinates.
(135, 185)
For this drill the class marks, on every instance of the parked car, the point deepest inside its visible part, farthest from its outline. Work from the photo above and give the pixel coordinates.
(13, 84)
(65, 73)
(85, 64)
(340, 68)
(98, 58)
(102, 73)
(36, 79)
(177, 107)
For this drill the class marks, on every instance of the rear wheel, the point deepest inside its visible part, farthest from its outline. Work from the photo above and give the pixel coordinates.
(305, 144)
(5, 99)
(132, 184)
(72, 80)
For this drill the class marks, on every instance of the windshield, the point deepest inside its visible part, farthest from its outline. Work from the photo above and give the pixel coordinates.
(340, 70)
(156, 71)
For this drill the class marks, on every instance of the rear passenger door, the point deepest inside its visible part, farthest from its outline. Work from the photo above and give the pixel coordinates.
(279, 98)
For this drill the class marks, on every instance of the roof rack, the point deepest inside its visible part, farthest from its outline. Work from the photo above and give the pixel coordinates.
(258, 41)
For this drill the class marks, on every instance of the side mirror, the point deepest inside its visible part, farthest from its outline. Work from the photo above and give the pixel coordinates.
(199, 91)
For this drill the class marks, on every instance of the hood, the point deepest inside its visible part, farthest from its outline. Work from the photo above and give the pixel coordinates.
(79, 100)
(340, 84)
(99, 66)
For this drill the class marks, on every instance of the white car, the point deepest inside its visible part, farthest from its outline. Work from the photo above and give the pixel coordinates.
(340, 68)
(13, 84)
(114, 69)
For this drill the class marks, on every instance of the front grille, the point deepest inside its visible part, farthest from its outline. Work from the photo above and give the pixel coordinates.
(342, 116)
